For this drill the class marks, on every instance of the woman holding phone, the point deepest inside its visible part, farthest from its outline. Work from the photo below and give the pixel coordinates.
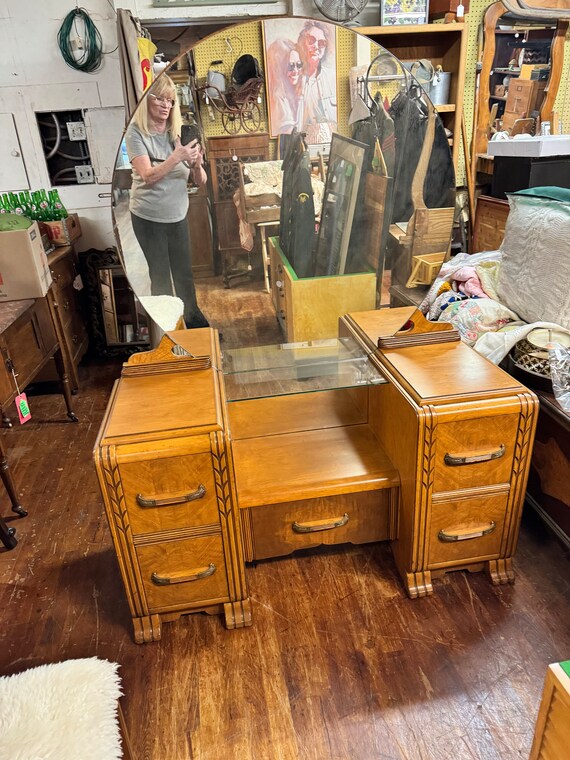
(158, 203)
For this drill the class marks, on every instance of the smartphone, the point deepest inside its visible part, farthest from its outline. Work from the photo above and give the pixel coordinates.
(189, 133)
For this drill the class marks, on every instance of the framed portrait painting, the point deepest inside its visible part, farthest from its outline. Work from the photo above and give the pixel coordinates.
(300, 77)
(393, 12)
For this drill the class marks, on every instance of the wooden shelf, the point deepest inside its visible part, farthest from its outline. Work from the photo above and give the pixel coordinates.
(310, 464)
(444, 45)
(376, 31)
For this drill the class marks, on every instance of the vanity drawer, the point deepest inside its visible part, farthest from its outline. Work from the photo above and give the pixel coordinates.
(280, 529)
(466, 529)
(473, 453)
(183, 572)
(182, 487)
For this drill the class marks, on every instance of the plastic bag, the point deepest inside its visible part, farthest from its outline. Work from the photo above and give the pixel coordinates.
(559, 358)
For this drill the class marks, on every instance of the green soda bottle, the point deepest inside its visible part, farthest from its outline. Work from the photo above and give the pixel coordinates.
(58, 205)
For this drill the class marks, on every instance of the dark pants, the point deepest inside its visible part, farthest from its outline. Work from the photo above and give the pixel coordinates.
(166, 247)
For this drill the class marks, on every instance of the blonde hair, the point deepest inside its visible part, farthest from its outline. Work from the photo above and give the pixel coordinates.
(163, 87)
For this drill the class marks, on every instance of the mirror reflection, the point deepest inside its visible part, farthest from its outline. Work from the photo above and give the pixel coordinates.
(521, 69)
(268, 193)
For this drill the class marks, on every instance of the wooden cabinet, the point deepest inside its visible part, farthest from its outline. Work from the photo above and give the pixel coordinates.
(28, 341)
(427, 447)
(64, 298)
(200, 230)
(166, 484)
(223, 154)
(309, 308)
(444, 45)
(490, 221)
(552, 731)
(117, 323)
(469, 429)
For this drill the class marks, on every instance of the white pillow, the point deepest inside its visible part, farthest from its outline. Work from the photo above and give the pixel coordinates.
(534, 280)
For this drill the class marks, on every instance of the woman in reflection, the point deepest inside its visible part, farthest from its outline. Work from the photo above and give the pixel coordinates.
(159, 194)
(319, 84)
(285, 96)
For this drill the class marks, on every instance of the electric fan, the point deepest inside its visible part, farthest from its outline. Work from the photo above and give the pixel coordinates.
(340, 10)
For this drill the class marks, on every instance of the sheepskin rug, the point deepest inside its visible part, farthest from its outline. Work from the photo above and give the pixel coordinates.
(64, 711)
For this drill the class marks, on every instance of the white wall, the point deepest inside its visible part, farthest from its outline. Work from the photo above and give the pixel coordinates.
(144, 10)
(34, 77)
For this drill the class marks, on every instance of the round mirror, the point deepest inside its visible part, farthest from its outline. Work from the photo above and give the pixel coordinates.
(280, 174)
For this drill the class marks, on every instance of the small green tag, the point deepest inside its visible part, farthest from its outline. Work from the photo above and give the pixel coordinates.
(348, 172)
(24, 408)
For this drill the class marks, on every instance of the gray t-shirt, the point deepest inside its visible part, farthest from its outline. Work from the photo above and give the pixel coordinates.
(167, 199)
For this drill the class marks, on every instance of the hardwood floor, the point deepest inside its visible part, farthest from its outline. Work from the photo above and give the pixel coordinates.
(338, 664)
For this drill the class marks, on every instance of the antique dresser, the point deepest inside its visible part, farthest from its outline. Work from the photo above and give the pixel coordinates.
(292, 446)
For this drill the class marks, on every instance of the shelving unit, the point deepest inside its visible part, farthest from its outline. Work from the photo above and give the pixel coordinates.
(442, 44)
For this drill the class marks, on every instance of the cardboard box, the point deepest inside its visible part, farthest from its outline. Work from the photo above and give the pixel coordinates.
(64, 231)
(24, 270)
(547, 145)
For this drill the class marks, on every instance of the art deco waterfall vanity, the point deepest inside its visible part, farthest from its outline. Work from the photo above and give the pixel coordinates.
(269, 450)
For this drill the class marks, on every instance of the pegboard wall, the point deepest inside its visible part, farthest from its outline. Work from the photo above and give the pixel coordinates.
(237, 40)
(474, 18)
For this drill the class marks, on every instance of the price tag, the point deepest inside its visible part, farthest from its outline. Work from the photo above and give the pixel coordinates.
(23, 409)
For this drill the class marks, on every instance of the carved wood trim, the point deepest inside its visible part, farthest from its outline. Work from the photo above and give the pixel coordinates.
(418, 584)
(229, 518)
(426, 477)
(521, 466)
(117, 515)
(492, 15)
(247, 534)
(147, 628)
(144, 539)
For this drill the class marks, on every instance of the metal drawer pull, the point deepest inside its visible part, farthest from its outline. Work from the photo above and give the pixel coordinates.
(313, 527)
(448, 538)
(454, 460)
(148, 503)
(168, 580)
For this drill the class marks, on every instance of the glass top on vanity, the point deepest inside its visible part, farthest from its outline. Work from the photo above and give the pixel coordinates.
(289, 368)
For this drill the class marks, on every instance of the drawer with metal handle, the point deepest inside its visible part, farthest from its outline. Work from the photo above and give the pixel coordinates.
(183, 572)
(467, 528)
(170, 493)
(357, 518)
(475, 452)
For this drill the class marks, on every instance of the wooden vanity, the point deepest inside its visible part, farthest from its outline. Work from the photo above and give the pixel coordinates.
(299, 445)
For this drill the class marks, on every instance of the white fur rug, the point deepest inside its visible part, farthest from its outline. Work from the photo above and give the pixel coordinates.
(64, 711)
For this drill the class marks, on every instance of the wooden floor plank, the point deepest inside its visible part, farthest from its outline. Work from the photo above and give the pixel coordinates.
(339, 664)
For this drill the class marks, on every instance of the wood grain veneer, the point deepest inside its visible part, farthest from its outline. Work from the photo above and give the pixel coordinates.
(309, 464)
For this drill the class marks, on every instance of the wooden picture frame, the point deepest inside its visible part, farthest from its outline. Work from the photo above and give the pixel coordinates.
(300, 79)
(397, 12)
(344, 172)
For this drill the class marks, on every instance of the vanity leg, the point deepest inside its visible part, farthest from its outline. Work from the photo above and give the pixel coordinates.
(60, 366)
(147, 629)
(238, 614)
(418, 584)
(501, 571)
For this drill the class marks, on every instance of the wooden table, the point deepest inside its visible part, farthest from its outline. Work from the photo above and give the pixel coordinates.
(27, 343)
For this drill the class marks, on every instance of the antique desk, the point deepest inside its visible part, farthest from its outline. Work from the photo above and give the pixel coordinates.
(27, 342)
(298, 445)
